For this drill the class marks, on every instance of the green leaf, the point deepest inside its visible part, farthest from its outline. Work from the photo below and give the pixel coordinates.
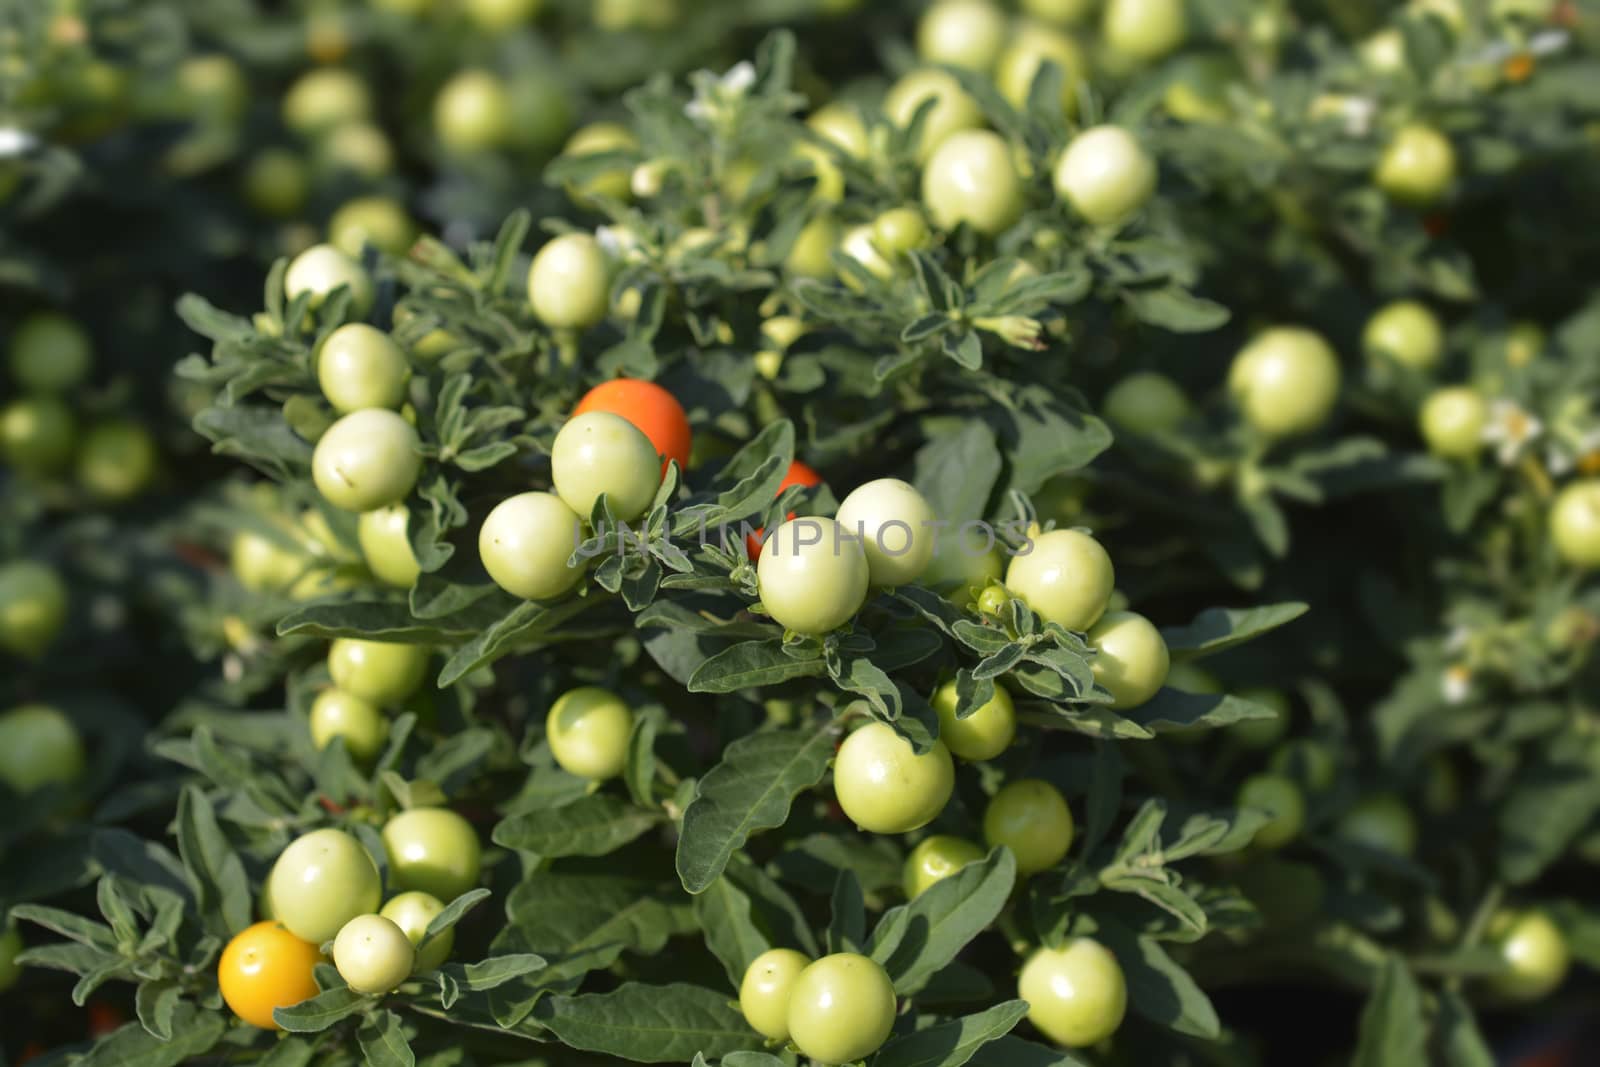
(1012, 1051)
(913, 941)
(724, 914)
(750, 665)
(956, 472)
(321, 1011)
(194, 1032)
(559, 914)
(953, 1043)
(525, 622)
(1158, 988)
(1216, 629)
(592, 826)
(848, 930)
(749, 791)
(1173, 309)
(156, 1003)
(1393, 1030)
(1173, 709)
(216, 874)
(455, 911)
(494, 971)
(383, 1042)
(649, 1024)
(1458, 1035)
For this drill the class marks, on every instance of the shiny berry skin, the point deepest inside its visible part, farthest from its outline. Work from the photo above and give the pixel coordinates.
(1130, 658)
(1535, 953)
(1065, 576)
(37, 434)
(266, 967)
(1146, 403)
(360, 367)
(588, 730)
(1452, 421)
(1077, 995)
(982, 735)
(39, 747)
(884, 786)
(33, 607)
(412, 912)
(972, 179)
(433, 851)
(335, 713)
(373, 954)
(1575, 523)
(525, 543)
(812, 576)
(1105, 174)
(598, 453)
(894, 523)
(1417, 167)
(50, 353)
(1285, 381)
(1405, 332)
(953, 109)
(652, 409)
(764, 991)
(841, 1008)
(386, 546)
(1279, 798)
(384, 673)
(569, 283)
(320, 270)
(962, 33)
(367, 460)
(320, 882)
(935, 859)
(1031, 818)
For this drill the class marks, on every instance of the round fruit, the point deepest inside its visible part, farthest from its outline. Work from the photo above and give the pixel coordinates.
(412, 912)
(373, 954)
(266, 967)
(39, 746)
(276, 183)
(472, 112)
(811, 255)
(384, 673)
(320, 270)
(1452, 421)
(1076, 994)
(33, 607)
(37, 434)
(953, 109)
(1313, 764)
(116, 460)
(1575, 523)
(434, 851)
(841, 1008)
(364, 151)
(588, 730)
(11, 947)
(1144, 30)
(1031, 818)
(898, 231)
(1282, 801)
(894, 524)
(841, 126)
(1261, 734)
(596, 139)
(972, 178)
(1105, 174)
(982, 735)
(1535, 954)
(653, 410)
(884, 786)
(324, 98)
(598, 453)
(764, 992)
(1381, 822)
(50, 353)
(263, 564)
(367, 460)
(962, 33)
(858, 244)
(1065, 577)
(1031, 48)
(335, 713)
(386, 546)
(378, 221)
(1146, 403)
(321, 881)
(1406, 332)
(525, 543)
(361, 367)
(570, 281)
(1130, 660)
(1418, 165)
(935, 859)
(813, 575)
(1285, 381)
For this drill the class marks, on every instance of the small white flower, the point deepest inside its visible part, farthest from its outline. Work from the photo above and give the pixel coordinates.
(1511, 428)
(1557, 460)
(1455, 684)
(698, 110)
(1358, 112)
(741, 77)
(610, 240)
(1543, 44)
(1458, 638)
(14, 141)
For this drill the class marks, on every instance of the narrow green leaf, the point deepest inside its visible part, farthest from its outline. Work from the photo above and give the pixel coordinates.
(953, 1043)
(591, 826)
(1393, 1030)
(649, 1024)
(321, 1011)
(1216, 629)
(194, 1032)
(383, 1042)
(915, 940)
(750, 665)
(724, 913)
